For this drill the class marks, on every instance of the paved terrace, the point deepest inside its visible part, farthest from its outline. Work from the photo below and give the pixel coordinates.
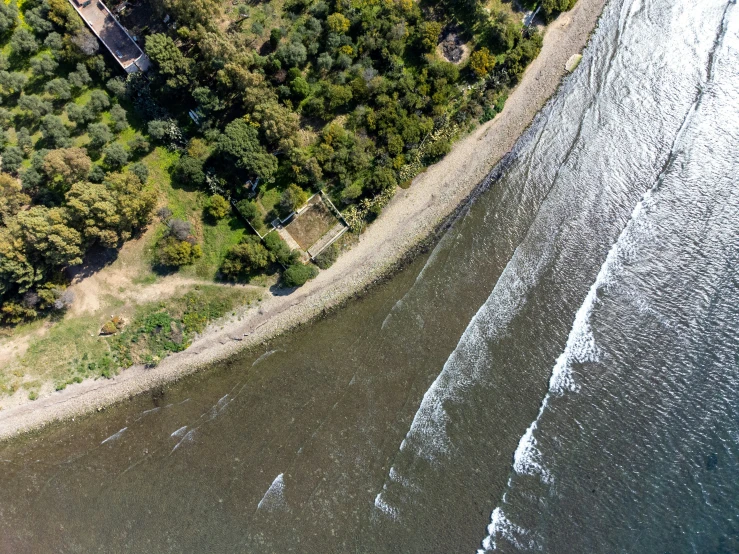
(112, 34)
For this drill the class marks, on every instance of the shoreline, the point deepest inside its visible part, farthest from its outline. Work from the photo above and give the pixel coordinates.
(413, 219)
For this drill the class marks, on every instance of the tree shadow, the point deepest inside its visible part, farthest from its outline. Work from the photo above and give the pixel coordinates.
(278, 289)
(96, 258)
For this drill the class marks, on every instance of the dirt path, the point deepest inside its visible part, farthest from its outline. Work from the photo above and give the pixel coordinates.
(406, 221)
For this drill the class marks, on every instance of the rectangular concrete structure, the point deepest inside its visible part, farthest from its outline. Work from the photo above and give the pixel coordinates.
(112, 34)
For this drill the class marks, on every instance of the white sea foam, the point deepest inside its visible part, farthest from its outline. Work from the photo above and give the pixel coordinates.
(179, 432)
(515, 534)
(385, 508)
(580, 348)
(189, 437)
(427, 435)
(264, 357)
(274, 498)
(115, 436)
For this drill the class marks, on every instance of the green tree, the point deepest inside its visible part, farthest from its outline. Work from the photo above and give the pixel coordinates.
(8, 17)
(12, 82)
(34, 105)
(12, 198)
(300, 87)
(43, 66)
(116, 156)
(293, 197)
(553, 6)
(247, 257)
(65, 166)
(48, 237)
(59, 88)
(280, 250)
(119, 118)
(338, 23)
(100, 135)
(54, 131)
(99, 101)
(12, 159)
(24, 140)
(429, 32)
(218, 207)
(171, 252)
(172, 64)
(292, 54)
(240, 143)
(188, 172)
(140, 170)
(80, 115)
(248, 208)
(62, 13)
(23, 43)
(79, 78)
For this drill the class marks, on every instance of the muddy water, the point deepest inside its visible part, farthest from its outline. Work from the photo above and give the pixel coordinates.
(559, 374)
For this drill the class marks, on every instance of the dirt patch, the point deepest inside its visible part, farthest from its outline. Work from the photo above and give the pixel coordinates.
(453, 49)
(312, 223)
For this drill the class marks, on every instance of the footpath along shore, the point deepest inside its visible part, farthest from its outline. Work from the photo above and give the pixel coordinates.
(410, 219)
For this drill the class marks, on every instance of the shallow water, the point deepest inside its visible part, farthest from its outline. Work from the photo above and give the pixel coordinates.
(559, 374)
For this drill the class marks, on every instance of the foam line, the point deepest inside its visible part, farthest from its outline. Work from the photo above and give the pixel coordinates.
(114, 436)
(274, 498)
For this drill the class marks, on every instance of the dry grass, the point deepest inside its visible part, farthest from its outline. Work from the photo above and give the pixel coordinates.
(311, 224)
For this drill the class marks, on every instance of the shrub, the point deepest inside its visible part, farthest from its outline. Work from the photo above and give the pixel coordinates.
(164, 213)
(175, 253)
(138, 145)
(327, 258)
(179, 229)
(298, 274)
(482, 62)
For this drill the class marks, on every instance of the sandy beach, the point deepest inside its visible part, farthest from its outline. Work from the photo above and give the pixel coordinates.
(408, 221)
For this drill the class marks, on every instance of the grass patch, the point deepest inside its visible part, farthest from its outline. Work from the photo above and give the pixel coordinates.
(218, 238)
(158, 330)
(73, 350)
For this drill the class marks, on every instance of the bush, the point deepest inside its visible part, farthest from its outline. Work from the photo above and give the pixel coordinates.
(482, 62)
(218, 207)
(327, 258)
(179, 229)
(298, 274)
(172, 252)
(249, 256)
